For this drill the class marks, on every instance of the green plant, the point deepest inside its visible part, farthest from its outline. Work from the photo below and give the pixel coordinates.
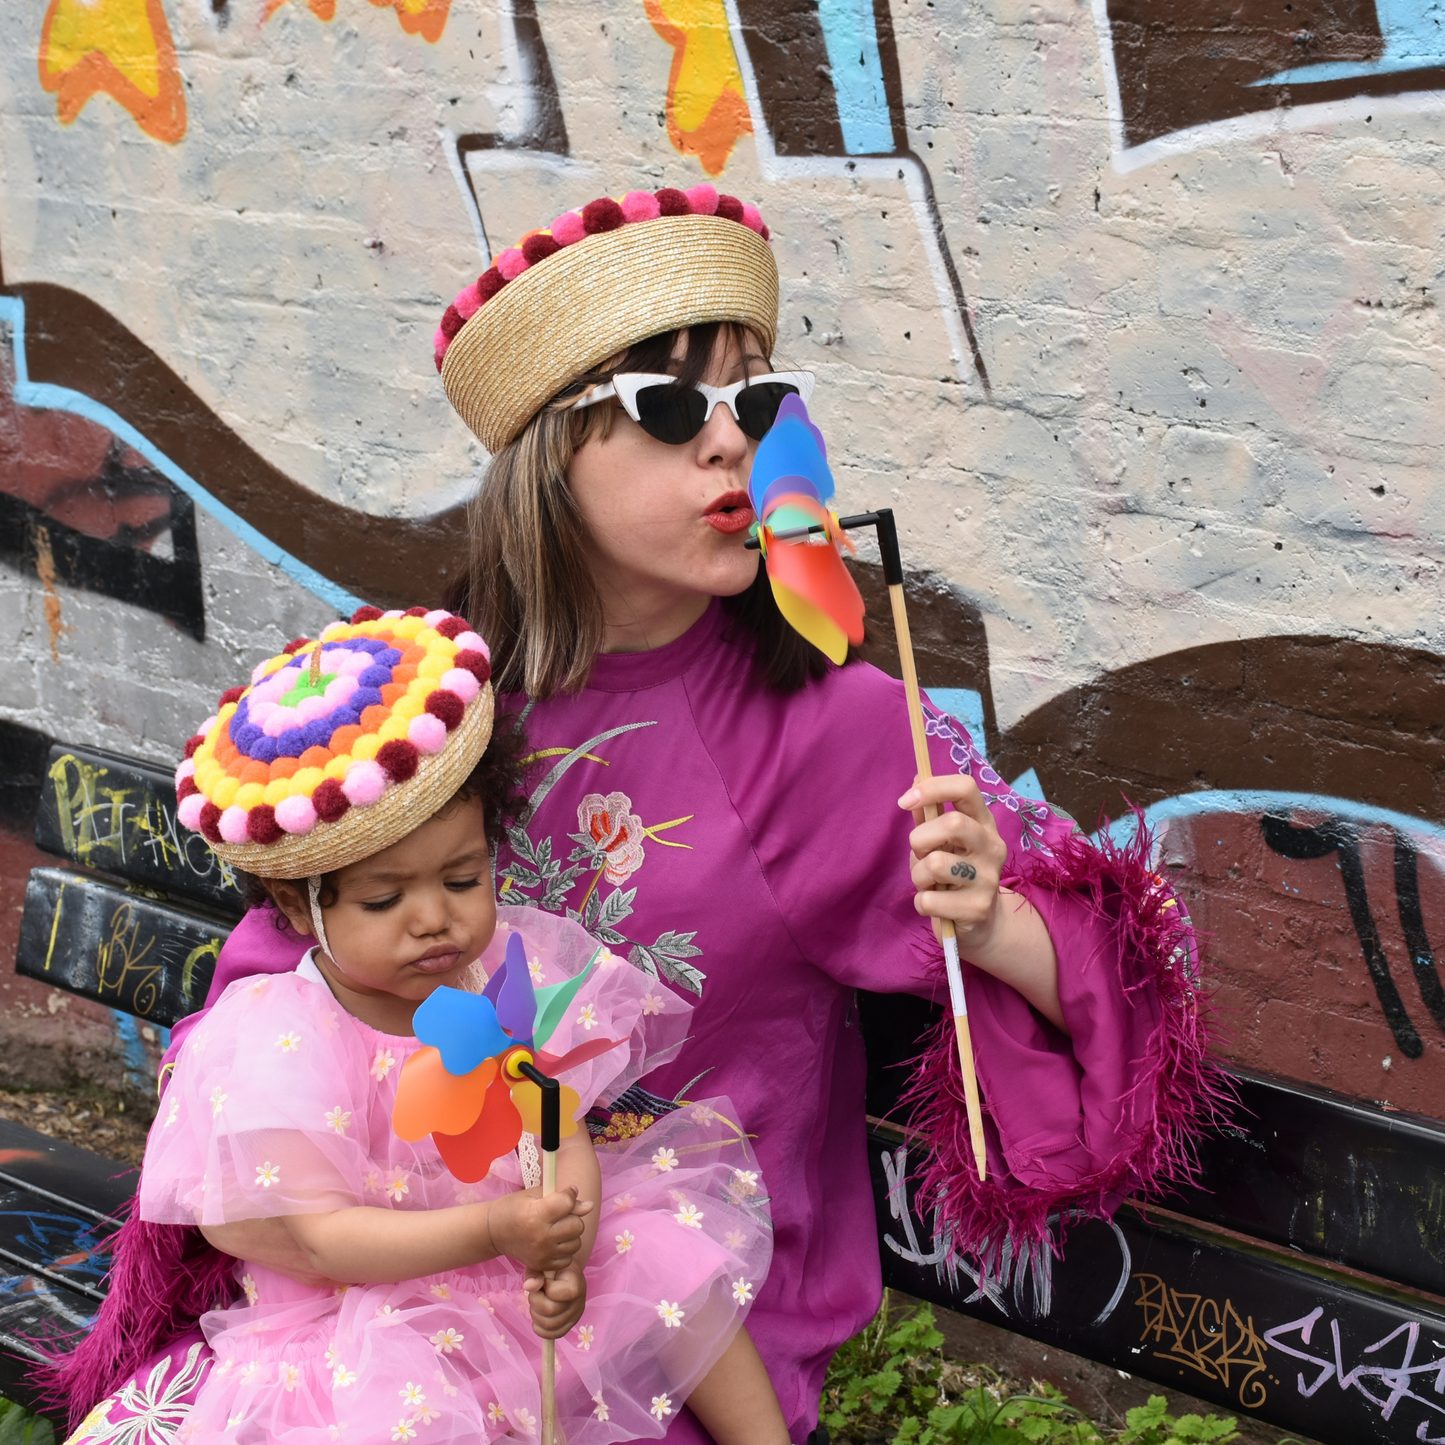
(19, 1427)
(891, 1385)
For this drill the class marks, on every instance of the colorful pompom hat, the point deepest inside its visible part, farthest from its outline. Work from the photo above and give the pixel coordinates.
(564, 299)
(341, 745)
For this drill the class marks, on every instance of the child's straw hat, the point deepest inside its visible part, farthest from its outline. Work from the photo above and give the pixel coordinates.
(341, 745)
(564, 299)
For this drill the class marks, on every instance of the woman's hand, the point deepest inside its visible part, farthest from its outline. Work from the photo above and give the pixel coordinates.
(958, 858)
(540, 1233)
(556, 1304)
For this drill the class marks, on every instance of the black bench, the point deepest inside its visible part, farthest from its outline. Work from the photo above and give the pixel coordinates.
(1302, 1283)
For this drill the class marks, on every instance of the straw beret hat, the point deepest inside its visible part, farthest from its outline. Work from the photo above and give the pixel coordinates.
(341, 745)
(595, 281)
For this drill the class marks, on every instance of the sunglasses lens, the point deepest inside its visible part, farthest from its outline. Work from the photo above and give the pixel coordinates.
(758, 406)
(672, 414)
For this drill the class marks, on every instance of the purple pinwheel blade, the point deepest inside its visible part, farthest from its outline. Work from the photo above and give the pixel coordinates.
(516, 1003)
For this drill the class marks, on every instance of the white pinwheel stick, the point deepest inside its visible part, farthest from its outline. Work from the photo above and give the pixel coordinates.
(551, 1140)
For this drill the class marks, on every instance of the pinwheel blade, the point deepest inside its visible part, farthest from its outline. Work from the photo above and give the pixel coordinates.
(790, 458)
(816, 594)
(516, 1001)
(470, 1155)
(428, 1098)
(552, 1003)
(554, 1064)
(462, 1026)
(528, 1099)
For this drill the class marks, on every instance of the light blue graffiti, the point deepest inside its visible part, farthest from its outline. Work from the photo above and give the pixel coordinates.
(44, 396)
(1414, 32)
(851, 35)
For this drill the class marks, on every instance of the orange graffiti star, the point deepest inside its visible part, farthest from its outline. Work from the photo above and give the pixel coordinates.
(427, 18)
(321, 9)
(121, 47)
(706, 112)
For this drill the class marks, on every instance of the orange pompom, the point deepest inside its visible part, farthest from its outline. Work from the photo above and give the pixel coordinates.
(401, 673)
(343, 738)
(373, 717)
(237, 765)
(255, 772)
(316, 757)
(413, 656)
(284, 768)
(392, 693)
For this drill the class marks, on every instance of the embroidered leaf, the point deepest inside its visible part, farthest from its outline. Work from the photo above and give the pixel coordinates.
(641, 959)
(521, 876)
(615, 907)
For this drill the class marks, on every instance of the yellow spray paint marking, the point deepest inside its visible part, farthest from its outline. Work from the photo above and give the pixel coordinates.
(54, 927)
(120, 947)
(210, 949)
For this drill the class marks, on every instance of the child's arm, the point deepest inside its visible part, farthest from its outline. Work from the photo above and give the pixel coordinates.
(557, 1304)
(365, 1245)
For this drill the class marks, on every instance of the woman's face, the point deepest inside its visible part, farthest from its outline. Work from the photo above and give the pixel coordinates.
(668, 523)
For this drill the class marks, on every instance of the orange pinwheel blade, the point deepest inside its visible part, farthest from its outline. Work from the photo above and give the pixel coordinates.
(430, 1099)
(528, 1099)
(495, 1133)
(817, 595)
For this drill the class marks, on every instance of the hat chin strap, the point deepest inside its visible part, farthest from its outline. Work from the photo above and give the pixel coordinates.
(313, 894)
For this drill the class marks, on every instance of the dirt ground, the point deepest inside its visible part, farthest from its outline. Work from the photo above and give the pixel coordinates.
(88, 1116)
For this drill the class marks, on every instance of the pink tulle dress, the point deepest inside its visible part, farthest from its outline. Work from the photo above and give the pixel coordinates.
(281, 1104)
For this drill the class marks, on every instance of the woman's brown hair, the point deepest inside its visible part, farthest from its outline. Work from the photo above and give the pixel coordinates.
(529, 589)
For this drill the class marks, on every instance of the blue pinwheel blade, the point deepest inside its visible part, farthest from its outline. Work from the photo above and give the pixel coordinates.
(461, 1027)
(791, 458)
(516, 1003)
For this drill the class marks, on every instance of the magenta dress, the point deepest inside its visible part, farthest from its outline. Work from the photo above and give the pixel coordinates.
(745, 848)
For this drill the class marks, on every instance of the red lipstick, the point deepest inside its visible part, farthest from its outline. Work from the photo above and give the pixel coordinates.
(730, 514)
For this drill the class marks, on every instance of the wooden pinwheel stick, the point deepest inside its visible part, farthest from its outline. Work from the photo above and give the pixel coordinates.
(887, 530)
(551, 1139)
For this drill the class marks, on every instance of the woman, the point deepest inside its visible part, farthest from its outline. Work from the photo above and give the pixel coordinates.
(740, 817)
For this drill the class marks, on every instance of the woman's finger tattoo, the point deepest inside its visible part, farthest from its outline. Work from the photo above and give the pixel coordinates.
(966, 871)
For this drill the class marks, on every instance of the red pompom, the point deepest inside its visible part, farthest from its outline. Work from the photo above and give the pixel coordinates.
(185, 788)
(447, 706)
(397, 759)
(365, 614)
(475, 663)
(211, 823)
(489, 283)
(728, 207)
(416, 612)
(193, 743)
(261, 825)
(673, 201)
(539, 247)
(439, 358)
(231, 694)
(452, 322)
(603, 215)
(329, 801)
(454, 627)
(765, 233)
(295, 645)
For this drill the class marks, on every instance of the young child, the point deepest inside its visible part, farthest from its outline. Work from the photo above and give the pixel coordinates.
(353, 778)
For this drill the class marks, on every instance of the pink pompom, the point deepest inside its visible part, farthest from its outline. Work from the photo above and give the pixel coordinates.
(432, 618)
(186, 770)
(640, 206)
(353, 663)
(189, 811)
(511, 262)
(467, 302)
(338, 690)
(471, 642)
(753, 218)
(427, 734)
(258, 672)
(702, 199)
(260, 711)
(277, 722)
(568, 228)
(461, 682)
(233, 825)
(205, 728)
(392, 615)
(365, 783)
(295, 814)
(311, 708)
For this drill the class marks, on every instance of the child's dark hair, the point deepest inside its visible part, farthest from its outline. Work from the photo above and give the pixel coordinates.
(496, 782)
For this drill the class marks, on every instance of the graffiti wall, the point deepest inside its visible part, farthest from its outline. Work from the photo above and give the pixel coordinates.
(1129, 310)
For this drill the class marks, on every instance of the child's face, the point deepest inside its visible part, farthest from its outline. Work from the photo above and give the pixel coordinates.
(413, 916)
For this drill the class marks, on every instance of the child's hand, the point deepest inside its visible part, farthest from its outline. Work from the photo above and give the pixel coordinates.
(556, 1304)
(541, 1234)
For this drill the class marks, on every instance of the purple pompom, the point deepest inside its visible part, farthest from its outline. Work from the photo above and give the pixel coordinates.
(365, 697)
(373, 677)
(247, 738)
(388, 657)
(345, 717)
(317, 732)
(265, 751)
(291, 744)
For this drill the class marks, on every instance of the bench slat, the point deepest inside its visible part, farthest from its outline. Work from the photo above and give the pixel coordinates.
(1254, 1332)
(120, 816)
(92, 937)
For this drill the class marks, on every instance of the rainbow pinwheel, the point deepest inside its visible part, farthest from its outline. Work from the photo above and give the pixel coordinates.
(465, 1086)
(790, 486)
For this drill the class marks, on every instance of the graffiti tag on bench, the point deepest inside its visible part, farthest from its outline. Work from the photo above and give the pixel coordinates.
(121, 817)
(151, 959)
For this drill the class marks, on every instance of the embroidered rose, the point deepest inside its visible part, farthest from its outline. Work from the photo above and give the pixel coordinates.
(616, 833)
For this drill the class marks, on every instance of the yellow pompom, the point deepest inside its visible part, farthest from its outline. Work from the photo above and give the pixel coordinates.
(249, 794)
(276, 790)
(428, 638)
(407, 627)
(306, 779)
(446, 647)
(337, 767)
(224, 793)
(433, 666)
(394, 727)
(225, 715)
(421, 687)
(366, 746)
(407, 707)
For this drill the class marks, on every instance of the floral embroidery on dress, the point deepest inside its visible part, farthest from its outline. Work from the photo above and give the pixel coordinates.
(382, 1064)
(526, 1421)
(689, 1215)
(338, 1119)
(445, 1341)
(742, 1290)
(587, 1018)
(397, 1186)
(599, 1408)
(289, 1042)
(156, 1408)
(735, 1239)
(609, 847)
(625, 1241)
(268, 1174)
(661, 1406)
(248, 1284)
(651, 1003)
(402, 1430)
(745, 1181)
(218, 1100)
(290, 1377)
(171, 1116)
(670, 1315)
(664, 1161)
(585, 1335)
(341, 1377)
(495, 1414)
